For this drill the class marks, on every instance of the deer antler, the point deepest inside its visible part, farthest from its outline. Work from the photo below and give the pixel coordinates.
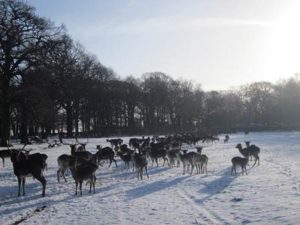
(7, 142)
(24, 146)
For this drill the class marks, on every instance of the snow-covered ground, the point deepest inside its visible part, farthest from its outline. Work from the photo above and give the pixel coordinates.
(269, 194)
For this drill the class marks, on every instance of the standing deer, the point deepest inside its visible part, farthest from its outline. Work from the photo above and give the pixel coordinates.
(239, 161)
(106, 153)
(253, 152)
(63, 163)
(140, 163)
(32, 166)
(83, 171)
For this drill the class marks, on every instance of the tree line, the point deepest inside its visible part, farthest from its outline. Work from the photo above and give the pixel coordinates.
(49, 84)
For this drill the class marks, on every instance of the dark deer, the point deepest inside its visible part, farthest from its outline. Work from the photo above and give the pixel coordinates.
(253, 151)
(84, 171)
(23, 167)
(106, 154)
(140, 163)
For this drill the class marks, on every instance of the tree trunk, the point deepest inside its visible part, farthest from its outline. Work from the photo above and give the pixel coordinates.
(23, 129)
(131, 124)
(69, 120)
(5, 128)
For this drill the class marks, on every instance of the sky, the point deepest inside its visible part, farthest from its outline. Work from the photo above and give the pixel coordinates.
(219, 44)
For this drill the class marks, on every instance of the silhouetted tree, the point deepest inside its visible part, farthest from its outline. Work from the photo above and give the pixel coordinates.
(22, 35)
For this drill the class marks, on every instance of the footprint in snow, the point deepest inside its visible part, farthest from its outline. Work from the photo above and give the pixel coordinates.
(236, 199)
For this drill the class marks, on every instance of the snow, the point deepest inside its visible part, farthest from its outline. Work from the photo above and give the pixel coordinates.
(269, 194)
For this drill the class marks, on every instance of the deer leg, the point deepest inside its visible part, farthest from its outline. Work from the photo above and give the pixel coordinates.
(256, 160)
(91, 183)
(156, 161)
(63, 174)
(19, 185)
(3, 160)
(115, 163)
(23, 185)
(110, 161)
(76, 182)
(58, 175)
(146, 171)
(192, 169)
(94, 183)
(80, 187)
(43, 181)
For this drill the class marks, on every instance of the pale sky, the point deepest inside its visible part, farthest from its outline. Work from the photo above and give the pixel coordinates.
(217, 43)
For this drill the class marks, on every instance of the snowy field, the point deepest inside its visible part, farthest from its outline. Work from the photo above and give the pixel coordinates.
(269, 194)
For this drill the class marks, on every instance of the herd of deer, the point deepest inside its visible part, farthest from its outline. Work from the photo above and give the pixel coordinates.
(84, 164)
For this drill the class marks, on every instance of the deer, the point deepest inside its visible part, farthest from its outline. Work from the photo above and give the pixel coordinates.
(199, 160)
(172, 156)
(249, 151)
(31, 166)
(193, 160)
(203, 163)
(115, 142)
(155, 154)
(84, 171)
(106, 153)
(239, 161)
(243, 151)
(226, 138)
(253, 151)
(186, 159)
(63, 163)
(140, 163)
(126, 155)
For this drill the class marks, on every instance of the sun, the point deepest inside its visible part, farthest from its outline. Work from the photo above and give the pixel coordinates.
(281, 54)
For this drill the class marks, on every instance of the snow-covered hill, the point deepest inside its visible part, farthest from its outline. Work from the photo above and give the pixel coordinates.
(269, 194)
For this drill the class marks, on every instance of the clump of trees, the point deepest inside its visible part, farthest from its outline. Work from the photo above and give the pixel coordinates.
(49, 84)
